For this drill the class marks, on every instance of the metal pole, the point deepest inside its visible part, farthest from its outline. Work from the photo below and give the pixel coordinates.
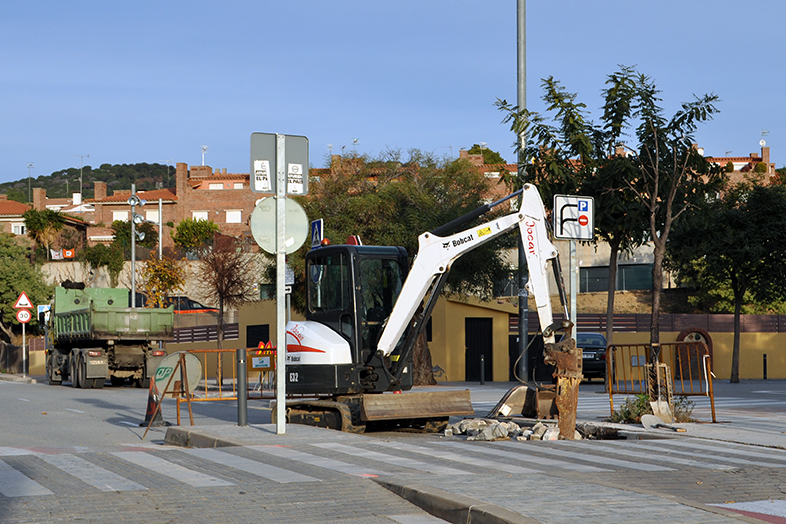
(482, 370)
(574, 285)
(242, 388)
(281, 334)
(160, 228)
(521, 26)
(133, 245)
(24, 359)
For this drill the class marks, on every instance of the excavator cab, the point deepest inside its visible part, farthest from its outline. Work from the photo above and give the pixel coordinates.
(351, 290)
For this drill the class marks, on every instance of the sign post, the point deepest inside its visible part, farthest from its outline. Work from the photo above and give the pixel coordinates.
(24, 305)
(288, 155)
(574, 219)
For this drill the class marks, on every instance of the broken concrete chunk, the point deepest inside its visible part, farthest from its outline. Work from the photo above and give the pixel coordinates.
(551, 434)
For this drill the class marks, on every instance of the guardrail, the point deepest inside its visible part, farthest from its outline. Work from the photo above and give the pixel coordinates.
(690, 362)
(219, 378)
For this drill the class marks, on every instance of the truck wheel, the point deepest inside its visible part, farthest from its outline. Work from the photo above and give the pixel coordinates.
(50, 372)
(84, 382)
(98, 383)
(73, 370)
(143, 383)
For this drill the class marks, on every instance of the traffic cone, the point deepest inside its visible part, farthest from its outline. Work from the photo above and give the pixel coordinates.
(153, 411)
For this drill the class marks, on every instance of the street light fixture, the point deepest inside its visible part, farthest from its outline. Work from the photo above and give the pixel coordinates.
(134, 201)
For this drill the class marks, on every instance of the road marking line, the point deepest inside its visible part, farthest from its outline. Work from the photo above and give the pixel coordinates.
(280, 475)
(90, 473)
(170, 469)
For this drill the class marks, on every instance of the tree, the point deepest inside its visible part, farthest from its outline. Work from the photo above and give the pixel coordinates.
(672, 176)
(110, 257)
(43, 226)
(122, 232)
(725, 244)
(664, 172)
(390, 201)
(489, 156)
(160, 277)
(193, 234)
(18, 275)
(228, 277)
(579, 157)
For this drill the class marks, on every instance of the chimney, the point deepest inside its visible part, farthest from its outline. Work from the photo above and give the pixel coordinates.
(39, 198)
(77, 198)
(3, 197)
(99, 188)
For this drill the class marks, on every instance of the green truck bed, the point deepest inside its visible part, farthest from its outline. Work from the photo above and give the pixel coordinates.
(100, 314)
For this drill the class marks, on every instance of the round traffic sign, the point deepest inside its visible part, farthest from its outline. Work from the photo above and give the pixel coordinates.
(583, 220)
(24, 316)
(263, 225)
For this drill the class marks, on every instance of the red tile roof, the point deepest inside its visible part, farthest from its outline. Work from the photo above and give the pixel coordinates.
(12, 207)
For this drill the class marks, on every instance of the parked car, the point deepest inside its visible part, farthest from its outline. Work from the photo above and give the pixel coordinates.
(593, 346)
(185, 305)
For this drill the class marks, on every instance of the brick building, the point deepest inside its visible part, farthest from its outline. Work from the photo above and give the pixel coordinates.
(199, 193)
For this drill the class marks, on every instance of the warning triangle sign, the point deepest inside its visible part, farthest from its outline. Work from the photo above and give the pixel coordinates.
(23, 301)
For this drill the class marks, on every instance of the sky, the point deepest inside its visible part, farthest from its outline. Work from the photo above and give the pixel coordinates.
(154, 81)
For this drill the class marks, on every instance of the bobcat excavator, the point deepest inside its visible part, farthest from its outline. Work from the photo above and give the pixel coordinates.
(364, 311)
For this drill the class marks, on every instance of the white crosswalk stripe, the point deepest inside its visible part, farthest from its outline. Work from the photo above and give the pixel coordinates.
(521, 455)
(170, 469)
(391, 459)
(90, 473)
(16, 484)
(322, 462)
(260, 469)
(703, 456)
(637, 451)
(455, 457)
(589, 457)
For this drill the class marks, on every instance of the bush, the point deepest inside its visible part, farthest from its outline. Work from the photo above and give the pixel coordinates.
(631, 410)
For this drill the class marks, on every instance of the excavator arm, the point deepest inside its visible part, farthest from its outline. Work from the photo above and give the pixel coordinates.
(437, 253)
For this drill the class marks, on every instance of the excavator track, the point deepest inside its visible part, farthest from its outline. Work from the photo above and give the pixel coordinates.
(422, 412)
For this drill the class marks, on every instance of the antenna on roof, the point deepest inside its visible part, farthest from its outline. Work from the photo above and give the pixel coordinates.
(204, 150)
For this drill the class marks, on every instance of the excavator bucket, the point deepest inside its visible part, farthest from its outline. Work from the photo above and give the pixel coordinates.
(429, 404)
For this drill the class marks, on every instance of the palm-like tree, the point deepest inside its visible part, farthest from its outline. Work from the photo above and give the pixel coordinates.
(43, 226)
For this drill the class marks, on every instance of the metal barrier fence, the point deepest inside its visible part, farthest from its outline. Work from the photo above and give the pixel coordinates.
(690, 362)
(219, 379)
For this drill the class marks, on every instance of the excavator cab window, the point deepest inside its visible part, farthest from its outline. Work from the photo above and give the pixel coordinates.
(380, 283)
(329, 290)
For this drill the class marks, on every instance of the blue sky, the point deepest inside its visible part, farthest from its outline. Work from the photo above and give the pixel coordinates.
(153, 81)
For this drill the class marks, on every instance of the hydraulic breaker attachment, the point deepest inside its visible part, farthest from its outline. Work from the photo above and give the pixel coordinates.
(567, 359)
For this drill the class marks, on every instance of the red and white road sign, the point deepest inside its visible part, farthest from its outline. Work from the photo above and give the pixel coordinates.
(23, 302)
(24, 316)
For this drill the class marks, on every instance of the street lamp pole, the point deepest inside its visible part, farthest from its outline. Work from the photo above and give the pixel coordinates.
(30, 165)
(81, 167)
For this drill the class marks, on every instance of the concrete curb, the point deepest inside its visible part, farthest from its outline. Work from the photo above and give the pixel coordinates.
(458, 509)
(18, 378)
(189, 438)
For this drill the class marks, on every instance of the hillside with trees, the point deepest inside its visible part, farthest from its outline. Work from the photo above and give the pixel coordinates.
(63, 183)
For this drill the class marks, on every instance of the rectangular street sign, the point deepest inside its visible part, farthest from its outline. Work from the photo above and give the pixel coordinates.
(317, 232)
(574, 217)
(264, 161)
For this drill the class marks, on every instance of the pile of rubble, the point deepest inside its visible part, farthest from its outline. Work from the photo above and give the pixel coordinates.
(489, 430)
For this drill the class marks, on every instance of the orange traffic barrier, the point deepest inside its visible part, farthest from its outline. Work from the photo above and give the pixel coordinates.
(690, 362)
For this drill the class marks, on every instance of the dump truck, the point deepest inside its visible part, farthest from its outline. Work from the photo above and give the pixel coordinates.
(365, 309)
(92, 335)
